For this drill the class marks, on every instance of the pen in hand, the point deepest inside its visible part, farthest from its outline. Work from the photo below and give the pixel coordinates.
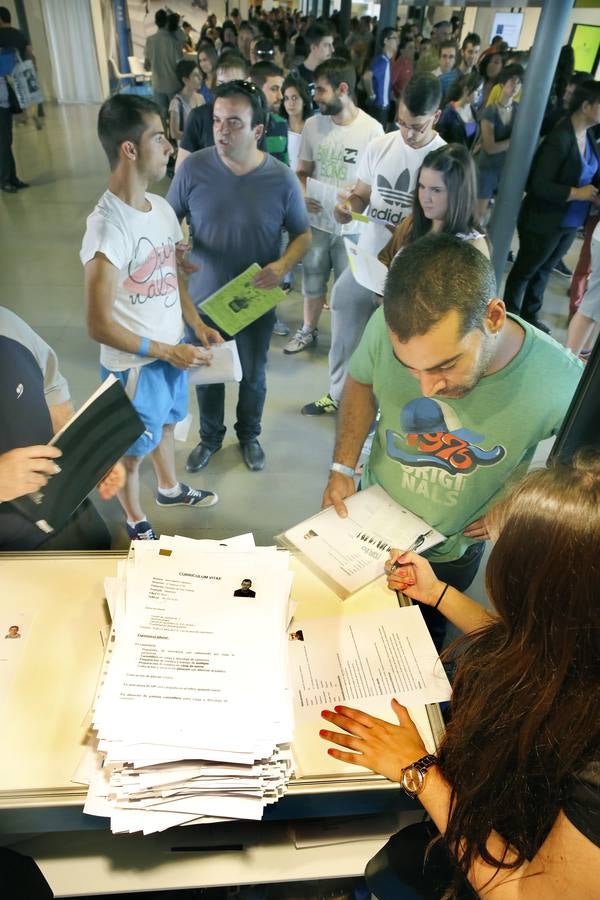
(418, 542)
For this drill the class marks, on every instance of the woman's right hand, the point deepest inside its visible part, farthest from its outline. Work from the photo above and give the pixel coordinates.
(413, 575)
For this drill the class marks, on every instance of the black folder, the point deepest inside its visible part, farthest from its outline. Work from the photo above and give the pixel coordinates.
(91, 442)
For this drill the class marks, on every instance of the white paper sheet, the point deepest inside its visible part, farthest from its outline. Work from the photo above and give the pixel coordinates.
(195, 671)
(367, 270)
(352, 552)
(225, 366)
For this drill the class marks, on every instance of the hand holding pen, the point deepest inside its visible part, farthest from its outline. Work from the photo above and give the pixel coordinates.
(412, 575)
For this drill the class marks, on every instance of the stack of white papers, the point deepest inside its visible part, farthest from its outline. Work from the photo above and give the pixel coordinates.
(193, 717)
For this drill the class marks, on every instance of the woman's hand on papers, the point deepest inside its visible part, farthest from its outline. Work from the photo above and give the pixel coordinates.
(413, 575)
(269, 276)
(373, 743)
(112, 482)
(26, 469)
(339, 487)
(207, 336)
(477, 530)
(184, 356)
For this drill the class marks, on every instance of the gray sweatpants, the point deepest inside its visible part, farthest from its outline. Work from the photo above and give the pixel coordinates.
(351, 308)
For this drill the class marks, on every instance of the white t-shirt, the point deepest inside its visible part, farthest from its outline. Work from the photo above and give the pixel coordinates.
(390, 167)
(336, 151)
(294, 140)
(141, 245)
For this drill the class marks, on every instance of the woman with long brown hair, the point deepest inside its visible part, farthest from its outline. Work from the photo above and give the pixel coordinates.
(514, 792)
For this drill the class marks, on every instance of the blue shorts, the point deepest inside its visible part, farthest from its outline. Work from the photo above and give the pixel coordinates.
(160, 398)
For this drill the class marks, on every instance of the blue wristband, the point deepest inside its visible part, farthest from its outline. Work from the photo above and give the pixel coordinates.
(144, 347)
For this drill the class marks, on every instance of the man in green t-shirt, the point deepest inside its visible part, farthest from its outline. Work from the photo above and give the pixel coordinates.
(465, 394)
(269, 78)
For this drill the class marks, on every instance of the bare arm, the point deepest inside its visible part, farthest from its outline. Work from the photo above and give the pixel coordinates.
(205, 335)
(60, 414)
(272, 274)
(490, 145)
(356, 202)
(566, 865)
(174, 129)
(413, 575)
(29, 54)
(304, 170)
(100, 289)
(355, 416)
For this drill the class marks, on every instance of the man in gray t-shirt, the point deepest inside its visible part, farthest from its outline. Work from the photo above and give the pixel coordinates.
(162, 52)
(237, 200)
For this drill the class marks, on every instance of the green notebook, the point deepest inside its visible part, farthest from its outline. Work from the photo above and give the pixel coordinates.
(239, 303)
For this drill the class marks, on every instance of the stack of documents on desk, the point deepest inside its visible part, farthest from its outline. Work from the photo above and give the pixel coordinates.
(193, 716)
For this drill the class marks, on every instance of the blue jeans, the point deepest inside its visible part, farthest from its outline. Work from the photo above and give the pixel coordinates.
(253, 346)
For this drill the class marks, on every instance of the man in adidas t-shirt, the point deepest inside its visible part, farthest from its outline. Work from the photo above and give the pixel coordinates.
(386, 183)
(331, 149)
(135, 299)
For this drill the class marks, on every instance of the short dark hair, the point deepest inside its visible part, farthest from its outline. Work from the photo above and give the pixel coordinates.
(231, 59)
(433, 276)
(587, 91)
(336, 71)
(388, 32)
(161, 18)
(247, 91)
(315, 34)
(261, 71)
(123, 117)
(471, 38)
(294, 81)
(5, 15)
(508, 72)
(422, 94)
(443, 24)
(184, 69)
(471, 82)
(445, 45)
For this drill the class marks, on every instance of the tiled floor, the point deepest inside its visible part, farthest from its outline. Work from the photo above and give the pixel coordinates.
(41, 278)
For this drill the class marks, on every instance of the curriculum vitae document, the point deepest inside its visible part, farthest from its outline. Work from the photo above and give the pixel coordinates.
(363, 660)
(350, 553)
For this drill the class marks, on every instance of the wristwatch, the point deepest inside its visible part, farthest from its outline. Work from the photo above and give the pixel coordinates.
(412, 780)
(343, 470)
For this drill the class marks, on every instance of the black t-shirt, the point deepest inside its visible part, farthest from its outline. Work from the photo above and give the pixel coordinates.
(12, 37)
(309, 77)
(25, 421)
(198, 132)
(582, 802)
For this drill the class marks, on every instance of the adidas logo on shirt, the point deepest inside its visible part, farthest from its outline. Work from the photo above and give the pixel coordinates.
(399, 194)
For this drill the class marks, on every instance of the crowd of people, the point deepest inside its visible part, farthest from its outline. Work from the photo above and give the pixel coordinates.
(395, 142)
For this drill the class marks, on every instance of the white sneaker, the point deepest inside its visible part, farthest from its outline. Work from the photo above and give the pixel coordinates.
(304, 337)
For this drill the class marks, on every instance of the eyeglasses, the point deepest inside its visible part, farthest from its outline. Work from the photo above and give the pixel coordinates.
(416, 129)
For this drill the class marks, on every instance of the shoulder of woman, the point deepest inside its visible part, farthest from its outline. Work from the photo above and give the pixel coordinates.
(479, 241)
